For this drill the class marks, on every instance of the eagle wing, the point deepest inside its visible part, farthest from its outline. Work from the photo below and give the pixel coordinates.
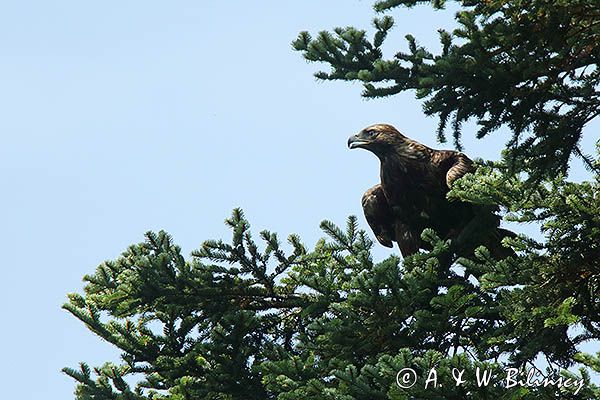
(454, 163)
(477, 224)
(379, 215)
(385, 224)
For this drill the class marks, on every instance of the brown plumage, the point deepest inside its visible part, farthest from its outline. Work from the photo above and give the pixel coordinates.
(412, 194)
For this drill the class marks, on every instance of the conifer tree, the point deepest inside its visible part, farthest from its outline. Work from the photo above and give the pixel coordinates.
(531, 65)
(248, 319)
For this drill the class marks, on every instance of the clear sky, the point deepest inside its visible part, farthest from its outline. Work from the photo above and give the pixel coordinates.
(123, 117)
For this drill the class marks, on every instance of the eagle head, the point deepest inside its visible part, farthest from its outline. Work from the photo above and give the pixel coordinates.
(379, 139)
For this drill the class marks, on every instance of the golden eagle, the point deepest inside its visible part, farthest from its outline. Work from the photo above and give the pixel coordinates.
(412, 196)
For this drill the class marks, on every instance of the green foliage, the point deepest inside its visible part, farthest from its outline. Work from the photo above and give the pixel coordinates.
(555, 283)
(241, 322)
(530, 65)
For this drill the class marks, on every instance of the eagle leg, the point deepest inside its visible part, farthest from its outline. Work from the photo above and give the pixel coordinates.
(408, 242)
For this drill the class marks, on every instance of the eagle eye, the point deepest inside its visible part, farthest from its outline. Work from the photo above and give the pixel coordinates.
(370, 133)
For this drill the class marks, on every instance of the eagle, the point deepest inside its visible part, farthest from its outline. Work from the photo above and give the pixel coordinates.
(412, 196)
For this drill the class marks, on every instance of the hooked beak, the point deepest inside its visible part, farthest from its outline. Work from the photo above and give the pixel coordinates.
(355, 142)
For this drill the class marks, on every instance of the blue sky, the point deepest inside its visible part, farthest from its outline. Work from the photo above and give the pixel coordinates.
(123, 117)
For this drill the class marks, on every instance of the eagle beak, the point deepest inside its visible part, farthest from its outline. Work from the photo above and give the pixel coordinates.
(354, 142)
